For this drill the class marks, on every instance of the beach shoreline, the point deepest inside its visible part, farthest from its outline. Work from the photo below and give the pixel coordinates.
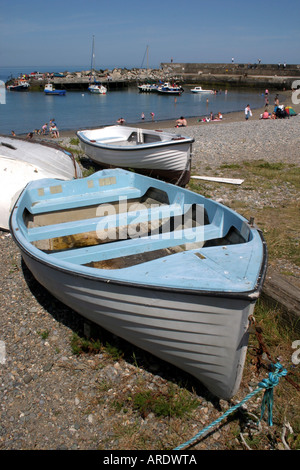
(233, 116)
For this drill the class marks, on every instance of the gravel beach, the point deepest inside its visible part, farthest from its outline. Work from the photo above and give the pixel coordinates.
(54, 399)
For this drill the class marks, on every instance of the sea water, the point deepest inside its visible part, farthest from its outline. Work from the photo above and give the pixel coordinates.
(26, 111)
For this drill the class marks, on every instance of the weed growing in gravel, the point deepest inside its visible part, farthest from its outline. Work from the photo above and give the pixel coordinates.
(81, 345)
(43, 334)
(174, 402)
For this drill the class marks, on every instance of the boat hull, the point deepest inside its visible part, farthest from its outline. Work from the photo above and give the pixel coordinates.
(97, 90)
(205, 336)
(170, 161)
(22, 161)
(166, 269)
(56, 92)
(18, 88)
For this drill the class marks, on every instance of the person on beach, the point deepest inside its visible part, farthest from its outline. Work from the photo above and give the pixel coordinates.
(44, 128)
(248, 112)
(54, 131)
(152, 116)
(121, 121)
(265, 115)
(142, 116)
(181, 122)
(13, 133)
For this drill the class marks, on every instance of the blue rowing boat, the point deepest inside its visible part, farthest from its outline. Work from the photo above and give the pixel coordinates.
(168, 270)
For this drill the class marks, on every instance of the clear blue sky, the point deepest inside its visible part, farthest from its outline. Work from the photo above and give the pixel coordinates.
(60, 32)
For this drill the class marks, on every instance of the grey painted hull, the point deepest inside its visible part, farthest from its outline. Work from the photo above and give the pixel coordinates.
(203, 335)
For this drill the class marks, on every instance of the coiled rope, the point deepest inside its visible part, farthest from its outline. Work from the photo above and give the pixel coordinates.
(266, 384)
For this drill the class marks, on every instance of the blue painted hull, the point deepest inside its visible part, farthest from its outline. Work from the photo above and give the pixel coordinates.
(56, 92)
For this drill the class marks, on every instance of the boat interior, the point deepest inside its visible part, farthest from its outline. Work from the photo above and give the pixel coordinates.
(127, 136)
(124, 226)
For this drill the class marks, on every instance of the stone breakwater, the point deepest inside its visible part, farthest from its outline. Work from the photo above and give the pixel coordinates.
(245, 75)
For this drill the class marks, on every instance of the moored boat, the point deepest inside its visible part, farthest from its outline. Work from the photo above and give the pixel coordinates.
(199, 89)
(19, 85)
(51, 90)
(147, 88)
(22, 161)
(169, 89)
(166, 269)
(147, 151)
(97, 88)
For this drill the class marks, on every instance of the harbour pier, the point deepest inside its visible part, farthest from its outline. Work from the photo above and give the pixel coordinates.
(276, 76)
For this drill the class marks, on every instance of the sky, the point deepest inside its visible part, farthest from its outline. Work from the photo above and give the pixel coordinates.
(60, 32)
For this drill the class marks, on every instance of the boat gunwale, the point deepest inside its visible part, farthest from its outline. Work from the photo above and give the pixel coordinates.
(251, 295)
(177, 140)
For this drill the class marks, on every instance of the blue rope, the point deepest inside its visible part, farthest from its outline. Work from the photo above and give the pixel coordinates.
(268, 384)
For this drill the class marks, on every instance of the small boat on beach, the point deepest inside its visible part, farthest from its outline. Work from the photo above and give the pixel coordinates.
(19, 85)
(199, 89)
(22, 161)
(164, 268)
(51, 90)
(147, 151)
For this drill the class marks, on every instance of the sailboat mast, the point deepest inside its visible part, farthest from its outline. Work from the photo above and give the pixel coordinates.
(93, 55)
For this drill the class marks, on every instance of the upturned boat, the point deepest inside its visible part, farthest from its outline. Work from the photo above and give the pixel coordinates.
(152, 152)
(22, 161)
(166, 269)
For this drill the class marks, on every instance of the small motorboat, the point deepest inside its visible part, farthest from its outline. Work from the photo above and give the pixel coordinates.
(199, 89)
(147, 88)
(153, 152)
(166, 269)
(51, 90)
(97, 88)
(169, 89)
(22, 161)
(19, 85)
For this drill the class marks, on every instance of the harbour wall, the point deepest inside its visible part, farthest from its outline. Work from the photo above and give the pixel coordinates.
(212, 74)
(279, 76)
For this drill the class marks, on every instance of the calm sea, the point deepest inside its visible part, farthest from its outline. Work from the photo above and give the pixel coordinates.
(26, 111)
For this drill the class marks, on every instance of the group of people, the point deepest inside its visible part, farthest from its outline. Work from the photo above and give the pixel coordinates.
(122, 120)
(52, 130)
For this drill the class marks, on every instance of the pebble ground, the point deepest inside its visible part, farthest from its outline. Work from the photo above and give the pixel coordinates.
(53, 399)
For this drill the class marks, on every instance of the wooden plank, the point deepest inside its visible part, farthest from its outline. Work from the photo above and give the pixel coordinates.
(278, 290)
(218, 179)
